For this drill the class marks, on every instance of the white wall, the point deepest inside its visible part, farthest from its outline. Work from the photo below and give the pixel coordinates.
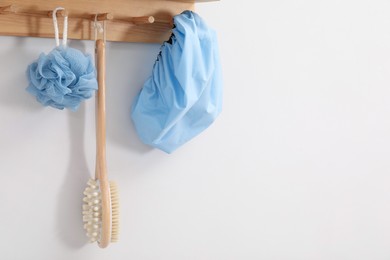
(296, 167)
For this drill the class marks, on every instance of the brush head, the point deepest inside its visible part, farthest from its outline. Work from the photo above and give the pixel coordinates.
(92, 211)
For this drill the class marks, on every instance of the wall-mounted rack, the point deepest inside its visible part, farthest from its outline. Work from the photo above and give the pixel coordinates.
(127, 20)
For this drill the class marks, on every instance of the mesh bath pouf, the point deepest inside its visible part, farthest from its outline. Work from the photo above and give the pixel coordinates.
(184, 94)
(64, 77)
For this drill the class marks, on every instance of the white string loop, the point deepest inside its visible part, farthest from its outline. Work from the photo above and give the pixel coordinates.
(65, 30)
(98, 27)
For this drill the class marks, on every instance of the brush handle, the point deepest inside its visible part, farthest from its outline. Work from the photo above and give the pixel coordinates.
(101, 172)
(101, 167)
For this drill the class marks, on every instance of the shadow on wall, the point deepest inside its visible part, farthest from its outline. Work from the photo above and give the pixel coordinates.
(79, 45)
(123, 83)
(70, 224)
(14, 93)
(128, 67)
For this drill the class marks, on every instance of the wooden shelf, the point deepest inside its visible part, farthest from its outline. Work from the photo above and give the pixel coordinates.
(31, 18)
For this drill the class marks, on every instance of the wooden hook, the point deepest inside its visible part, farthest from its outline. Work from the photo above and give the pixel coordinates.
(142, 20)
(102, 17)
(8, 8)
(61, 13)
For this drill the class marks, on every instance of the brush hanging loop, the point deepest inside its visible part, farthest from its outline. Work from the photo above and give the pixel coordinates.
(99, 28)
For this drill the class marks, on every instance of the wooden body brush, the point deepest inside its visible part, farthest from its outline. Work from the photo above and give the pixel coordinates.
(101, 202)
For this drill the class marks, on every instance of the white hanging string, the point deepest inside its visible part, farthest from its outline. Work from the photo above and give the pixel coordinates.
(104, 31)
(65, 30)
(99, 28)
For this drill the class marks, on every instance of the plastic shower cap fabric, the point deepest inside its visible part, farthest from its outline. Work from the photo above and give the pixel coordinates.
(62, 78)
(184, 94)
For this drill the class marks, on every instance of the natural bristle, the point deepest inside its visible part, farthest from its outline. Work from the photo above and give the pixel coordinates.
(114, 211)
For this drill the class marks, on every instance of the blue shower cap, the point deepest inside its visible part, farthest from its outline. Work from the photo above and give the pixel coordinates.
(184, 94)
(62, 78)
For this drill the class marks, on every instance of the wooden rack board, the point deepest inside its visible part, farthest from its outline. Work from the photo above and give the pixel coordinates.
(132, 20)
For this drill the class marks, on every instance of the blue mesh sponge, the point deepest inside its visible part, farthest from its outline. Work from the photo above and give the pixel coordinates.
(184, 94)
(62, 78)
